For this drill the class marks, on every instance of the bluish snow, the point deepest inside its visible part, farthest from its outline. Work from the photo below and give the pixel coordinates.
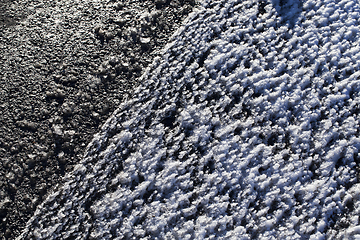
(246, 128)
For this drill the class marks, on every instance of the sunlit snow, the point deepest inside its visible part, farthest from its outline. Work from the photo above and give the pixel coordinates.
(246, 128)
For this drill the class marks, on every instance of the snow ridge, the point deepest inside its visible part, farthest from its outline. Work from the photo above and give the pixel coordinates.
(246, 128)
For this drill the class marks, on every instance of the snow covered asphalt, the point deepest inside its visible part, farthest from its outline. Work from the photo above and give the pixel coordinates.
(247, 127)
(65, 66)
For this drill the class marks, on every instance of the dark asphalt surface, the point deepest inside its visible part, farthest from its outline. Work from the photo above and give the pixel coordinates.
(64, 67)
(246, 127)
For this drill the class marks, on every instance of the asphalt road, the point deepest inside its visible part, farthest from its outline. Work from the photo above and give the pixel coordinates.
(64, 67)
(246, 127)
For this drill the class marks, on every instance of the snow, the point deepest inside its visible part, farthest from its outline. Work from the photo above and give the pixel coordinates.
(246, 128)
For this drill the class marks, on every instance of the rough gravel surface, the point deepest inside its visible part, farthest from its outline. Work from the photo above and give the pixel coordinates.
(64, 67)
(247, 127)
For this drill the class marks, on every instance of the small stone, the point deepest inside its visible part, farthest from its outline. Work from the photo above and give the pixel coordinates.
(43, 155)
(57, 130)
(67, 111)
(101, 71)
(61, 155)
(57, 77)
(58, 93)
(119, 6)
(5, 203)
(109, 35)
(7, 233)
(95, 115)
(99, 31)
(10, 176)
(14, 149)
(44, 112)
(37, 65)
(119, 21)
(133, 34)
(73, 79)
(74, 72)
(31, 160)
(69, 80)
(145, 40)
(27, 125)
(113, 61)
(70, 132)
(111, 76)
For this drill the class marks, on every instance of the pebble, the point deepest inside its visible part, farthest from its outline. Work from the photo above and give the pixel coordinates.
(57, 130)
(26, 124)
(119, 6)
(119, 21)
(57, 77)
(37, 65)
(145, 40)
(113, 61)
(70, 80)
(109, 35)
(58, 93)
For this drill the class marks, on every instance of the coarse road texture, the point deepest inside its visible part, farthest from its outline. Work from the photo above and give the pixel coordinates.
(64, 67)
(246, 127)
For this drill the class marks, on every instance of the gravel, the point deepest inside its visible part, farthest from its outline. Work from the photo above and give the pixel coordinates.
(64, 67)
